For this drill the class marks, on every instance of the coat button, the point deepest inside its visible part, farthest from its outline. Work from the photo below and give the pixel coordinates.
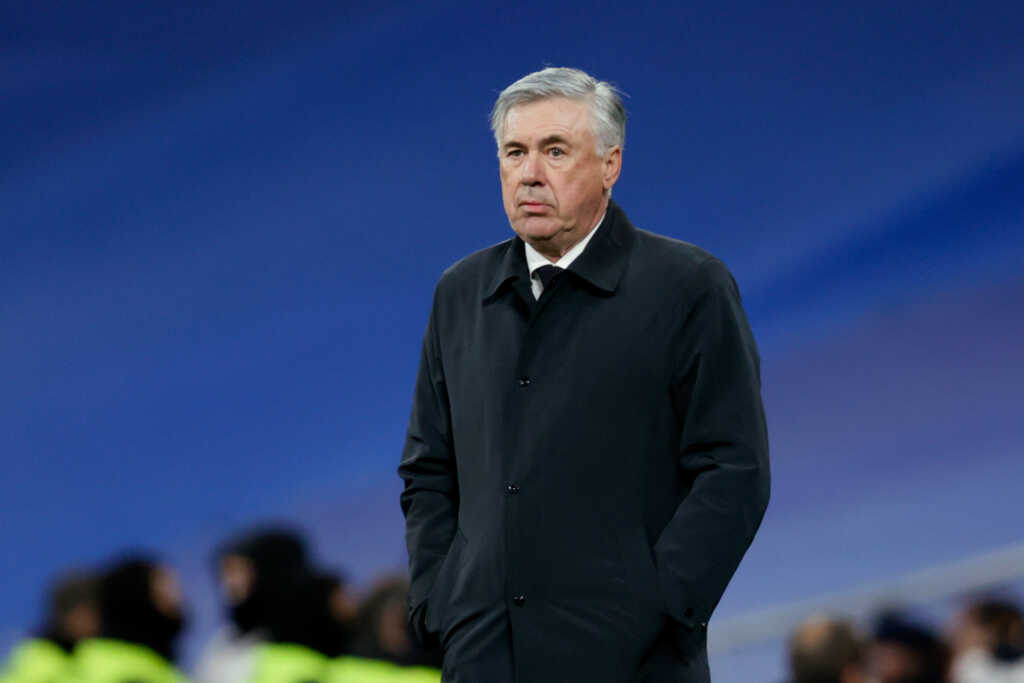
(703, 626)
(524, 381)
(511, 489)
(519, 600)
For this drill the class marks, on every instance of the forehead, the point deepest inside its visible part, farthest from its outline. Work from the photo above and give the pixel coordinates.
(543, 118)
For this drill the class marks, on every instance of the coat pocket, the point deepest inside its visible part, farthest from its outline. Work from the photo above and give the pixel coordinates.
(440, 592)
(640, 570)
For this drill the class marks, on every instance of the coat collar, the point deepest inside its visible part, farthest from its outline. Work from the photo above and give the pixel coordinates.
(601, 264)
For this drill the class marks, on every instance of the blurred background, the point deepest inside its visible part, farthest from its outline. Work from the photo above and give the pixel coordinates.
(222, 223)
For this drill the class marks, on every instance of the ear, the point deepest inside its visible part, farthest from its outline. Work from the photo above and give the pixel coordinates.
(611, 167)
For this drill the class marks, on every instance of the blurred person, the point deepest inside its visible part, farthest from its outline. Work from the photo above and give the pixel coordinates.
(987, 640)
(141, 617)
(258, 573)
(586, 461)
(384, 631)
(903, 651)
(316, 627)
(827, 650)
(72, 615)
(385, 648)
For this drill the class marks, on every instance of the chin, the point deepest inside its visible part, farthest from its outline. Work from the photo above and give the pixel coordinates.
(537, 227)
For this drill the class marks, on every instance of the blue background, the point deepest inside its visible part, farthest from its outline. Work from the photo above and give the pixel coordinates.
(221, 226)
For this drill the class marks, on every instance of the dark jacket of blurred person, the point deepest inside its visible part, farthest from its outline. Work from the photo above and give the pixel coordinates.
(72, 616)
(988, 644)
(141, 615)
(906, 652)
(258, 573)
(824, 650)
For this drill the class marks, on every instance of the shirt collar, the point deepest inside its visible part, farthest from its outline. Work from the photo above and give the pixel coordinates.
(602, 264)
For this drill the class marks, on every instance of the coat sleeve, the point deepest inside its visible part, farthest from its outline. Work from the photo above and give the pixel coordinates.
(430, 497)
(723, 449)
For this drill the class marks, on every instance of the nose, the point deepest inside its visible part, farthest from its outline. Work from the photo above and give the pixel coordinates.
(531, 172)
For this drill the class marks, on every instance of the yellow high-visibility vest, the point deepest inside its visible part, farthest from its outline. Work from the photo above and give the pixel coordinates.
(360, 670)
(419, 674)
(36, 661)
(287, 663)
(101, 660)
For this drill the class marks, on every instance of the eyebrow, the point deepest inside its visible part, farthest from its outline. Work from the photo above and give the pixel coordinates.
(553, 139)
(549, 140)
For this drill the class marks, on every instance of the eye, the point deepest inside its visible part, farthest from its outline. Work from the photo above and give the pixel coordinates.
(556, 152)
(514, 153)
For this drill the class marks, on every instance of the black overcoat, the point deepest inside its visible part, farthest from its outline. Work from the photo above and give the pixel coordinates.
(582, 473)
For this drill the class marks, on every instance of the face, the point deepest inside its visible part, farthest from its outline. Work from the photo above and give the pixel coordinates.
(81, 621)
(166, 592)
(893, 663)
(237, 576)
(343, 605)
(393, 630)
(553, 184)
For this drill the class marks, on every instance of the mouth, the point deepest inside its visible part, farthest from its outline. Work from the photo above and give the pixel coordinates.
(533, 205)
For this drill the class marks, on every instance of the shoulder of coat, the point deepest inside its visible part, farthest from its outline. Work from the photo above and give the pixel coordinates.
(475, 271)
(671, 259)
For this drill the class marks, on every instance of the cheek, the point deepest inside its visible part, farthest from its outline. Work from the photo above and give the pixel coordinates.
(583, 190)
(508, 193)
(506, 182)
(568, 194)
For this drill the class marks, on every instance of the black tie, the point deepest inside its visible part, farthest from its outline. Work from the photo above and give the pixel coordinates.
(548, 273)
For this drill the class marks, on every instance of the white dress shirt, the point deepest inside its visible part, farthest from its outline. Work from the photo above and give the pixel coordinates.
(535, 259)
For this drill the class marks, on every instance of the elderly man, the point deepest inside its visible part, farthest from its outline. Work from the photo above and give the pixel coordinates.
(586, 460)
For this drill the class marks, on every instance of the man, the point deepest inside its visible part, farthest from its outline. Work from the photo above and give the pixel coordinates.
(383, 652)
(305, 638)
(258, 573)
(987, 641)
(141, 615)
(72, 616)
(586, 460)
(905, 651)
(824, 650)
(384, 628)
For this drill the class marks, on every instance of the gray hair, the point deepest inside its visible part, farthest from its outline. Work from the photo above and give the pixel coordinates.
(607, 114)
